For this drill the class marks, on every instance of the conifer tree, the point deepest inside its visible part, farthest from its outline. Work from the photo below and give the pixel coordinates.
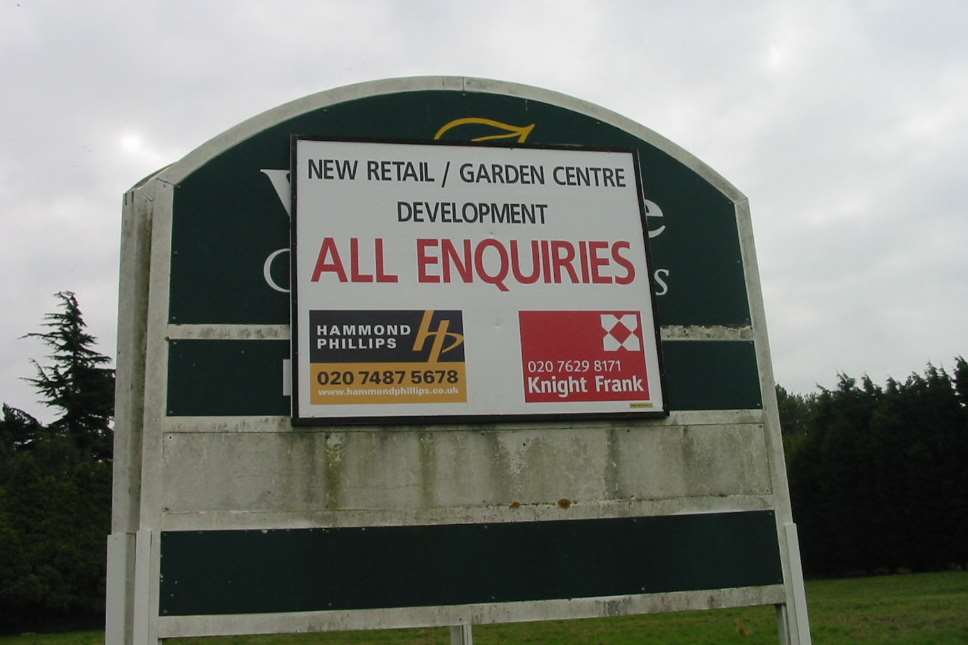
(55, 484)
(78, 383)
(18, 430)
(961, 379)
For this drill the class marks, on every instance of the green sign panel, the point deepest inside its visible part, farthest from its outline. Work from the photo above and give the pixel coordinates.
(230, 239)
(230, 236)
(212, 572)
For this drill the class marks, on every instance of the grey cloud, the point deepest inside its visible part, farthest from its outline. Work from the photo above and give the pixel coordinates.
(844, 123)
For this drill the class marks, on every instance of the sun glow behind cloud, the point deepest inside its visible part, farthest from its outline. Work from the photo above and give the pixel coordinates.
(134, 146)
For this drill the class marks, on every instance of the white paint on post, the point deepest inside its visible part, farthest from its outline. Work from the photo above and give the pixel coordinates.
(135, 271)
(144, 613)
(797, 617)
(117, 619)
(153, 483)
(796, 625)
(461, 635)
(782, 624)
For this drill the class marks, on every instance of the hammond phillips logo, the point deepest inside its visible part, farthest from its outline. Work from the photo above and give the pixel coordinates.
(444, 340)
(386, 356)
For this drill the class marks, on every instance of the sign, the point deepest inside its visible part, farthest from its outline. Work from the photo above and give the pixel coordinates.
(496, 279)
(444, 281)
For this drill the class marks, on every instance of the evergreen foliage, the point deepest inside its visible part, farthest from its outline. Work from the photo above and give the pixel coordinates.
(77, 383)
(877, 475)
(18, 431)
(55, 485)
(877, 478)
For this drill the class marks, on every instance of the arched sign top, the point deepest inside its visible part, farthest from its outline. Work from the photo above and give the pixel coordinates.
(327, 98)
(241, 177)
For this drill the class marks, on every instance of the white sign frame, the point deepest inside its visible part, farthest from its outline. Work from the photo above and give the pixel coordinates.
(552, 386)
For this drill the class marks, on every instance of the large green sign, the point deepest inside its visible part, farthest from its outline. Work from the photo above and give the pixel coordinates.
(230, 519)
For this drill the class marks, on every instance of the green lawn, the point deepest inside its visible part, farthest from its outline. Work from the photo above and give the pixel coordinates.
(922, 609)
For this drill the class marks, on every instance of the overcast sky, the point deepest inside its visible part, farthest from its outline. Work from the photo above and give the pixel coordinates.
(846, 124)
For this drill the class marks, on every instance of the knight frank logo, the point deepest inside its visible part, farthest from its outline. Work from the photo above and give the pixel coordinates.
(583, 356)
(621, 332)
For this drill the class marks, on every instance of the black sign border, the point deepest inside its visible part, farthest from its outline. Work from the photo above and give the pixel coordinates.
(467, 419)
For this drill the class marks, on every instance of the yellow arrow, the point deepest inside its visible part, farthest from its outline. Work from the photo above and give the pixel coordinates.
(511, 131)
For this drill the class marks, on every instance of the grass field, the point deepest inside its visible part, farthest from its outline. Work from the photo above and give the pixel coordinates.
(922, 609)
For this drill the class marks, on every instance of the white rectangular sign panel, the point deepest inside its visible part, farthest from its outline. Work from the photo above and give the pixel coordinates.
(443, 282)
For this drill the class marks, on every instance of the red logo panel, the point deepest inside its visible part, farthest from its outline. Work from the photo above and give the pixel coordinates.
(583, 356)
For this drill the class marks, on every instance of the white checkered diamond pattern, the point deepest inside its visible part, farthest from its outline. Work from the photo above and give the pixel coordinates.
(630, 322)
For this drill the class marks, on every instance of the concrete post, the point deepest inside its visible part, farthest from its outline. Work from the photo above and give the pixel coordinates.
(461, 635)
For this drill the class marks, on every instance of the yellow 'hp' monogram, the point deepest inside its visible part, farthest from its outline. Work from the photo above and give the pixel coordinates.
(440, 337)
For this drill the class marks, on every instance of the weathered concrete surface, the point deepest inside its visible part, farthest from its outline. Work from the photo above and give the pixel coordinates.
(385, 473)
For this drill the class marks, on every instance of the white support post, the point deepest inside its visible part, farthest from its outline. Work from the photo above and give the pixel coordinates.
(795, 611)
(461, 635)
(782, 625)
(120, 574)
(142, 619)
